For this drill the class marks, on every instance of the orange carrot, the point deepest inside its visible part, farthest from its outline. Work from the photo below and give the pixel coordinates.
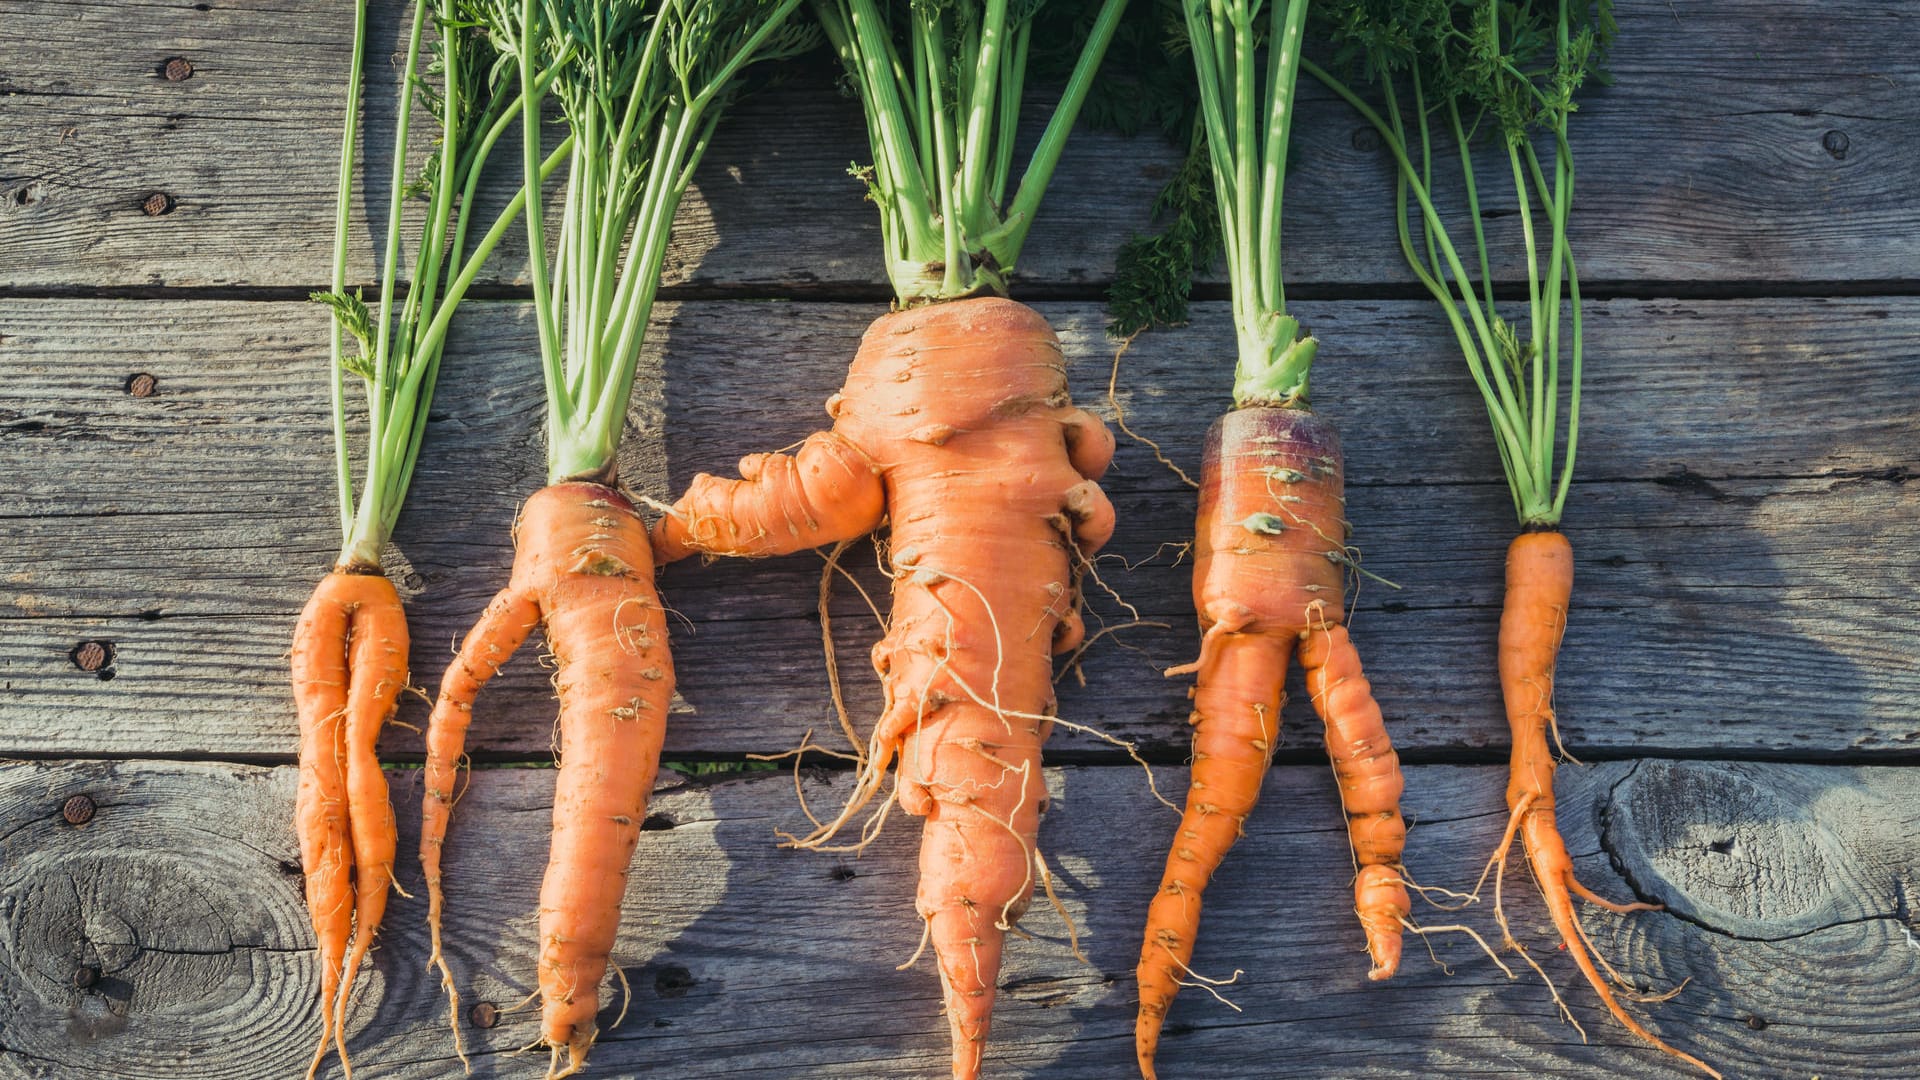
(1532, 622)
(583, 572)
(955, 424)
(1268, 579)
(349, 665)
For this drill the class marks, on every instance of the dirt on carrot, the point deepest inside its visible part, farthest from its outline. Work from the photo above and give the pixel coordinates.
(954, 424)
(583, 573)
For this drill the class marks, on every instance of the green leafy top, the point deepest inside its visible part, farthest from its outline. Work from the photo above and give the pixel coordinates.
(398, 349)
(941, 81)
(1247, 112)
(1512, 67)
(641, 85)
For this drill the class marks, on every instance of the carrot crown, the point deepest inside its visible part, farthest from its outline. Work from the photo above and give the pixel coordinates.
(641, 85)
(1444, 70)
(941, 81)
(398, 352)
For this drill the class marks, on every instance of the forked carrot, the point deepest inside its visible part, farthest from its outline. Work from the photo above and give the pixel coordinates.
(1268, 581)
(344, 696)
(583, 572)
(641, 87)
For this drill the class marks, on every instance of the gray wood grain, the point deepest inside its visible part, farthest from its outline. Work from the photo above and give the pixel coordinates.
(1745, 573)
(1784, 887)
(1755, 142)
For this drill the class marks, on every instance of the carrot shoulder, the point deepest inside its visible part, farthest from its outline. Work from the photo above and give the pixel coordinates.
(583, 572)
(955, 424)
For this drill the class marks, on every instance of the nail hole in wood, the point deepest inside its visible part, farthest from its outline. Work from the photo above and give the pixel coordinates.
(673, 981)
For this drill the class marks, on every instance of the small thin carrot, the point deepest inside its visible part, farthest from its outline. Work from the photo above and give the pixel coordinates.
(1519, 73)
(1533, 620)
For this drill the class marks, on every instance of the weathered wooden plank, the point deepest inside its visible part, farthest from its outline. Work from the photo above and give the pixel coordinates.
(1744, 141)
(1733, 560)
(181, 898)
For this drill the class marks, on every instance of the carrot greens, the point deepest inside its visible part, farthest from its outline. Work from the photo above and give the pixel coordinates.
(942, 82)
(640, 85)
(399, 342)
(1443, 72)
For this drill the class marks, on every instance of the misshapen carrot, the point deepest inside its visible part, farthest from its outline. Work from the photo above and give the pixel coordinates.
(1532, 622)
(349, 665)
(583, 572)
(954, 423)
(1269, 559)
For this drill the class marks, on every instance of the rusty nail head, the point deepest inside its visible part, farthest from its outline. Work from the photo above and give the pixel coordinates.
(484, 1015)
(92, 655)
(78, 810)
(142, 385)
(85, 975)
(158, 204)
(178, 69)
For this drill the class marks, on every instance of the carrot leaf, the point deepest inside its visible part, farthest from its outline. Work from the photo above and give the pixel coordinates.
(641, 85)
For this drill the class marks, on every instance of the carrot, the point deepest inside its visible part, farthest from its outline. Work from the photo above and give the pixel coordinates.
(349, 660)
(640, 87)
(1270, 537)
(1268, 582)
(1533, 619)
(955, 422)
(1520, 72)
(583, 573)
(349, 666)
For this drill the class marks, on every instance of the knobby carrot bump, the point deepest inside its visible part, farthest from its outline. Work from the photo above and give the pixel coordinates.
(955, 424)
